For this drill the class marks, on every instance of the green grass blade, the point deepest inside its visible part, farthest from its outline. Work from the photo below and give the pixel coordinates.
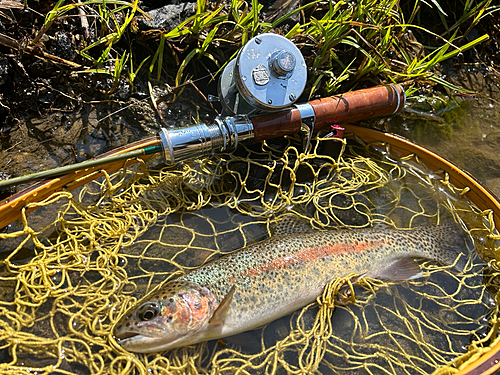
(183, 65)
(465, 47)
(255, 16)
(448, 85)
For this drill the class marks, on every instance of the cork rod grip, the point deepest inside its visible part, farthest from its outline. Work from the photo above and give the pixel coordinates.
(339, 109)
(277, 124)
(358, 105)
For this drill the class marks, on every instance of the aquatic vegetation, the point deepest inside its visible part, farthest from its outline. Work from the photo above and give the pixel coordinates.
(345, 44)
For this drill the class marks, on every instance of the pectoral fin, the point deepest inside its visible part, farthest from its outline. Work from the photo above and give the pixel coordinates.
(401, 269)
(221, 312)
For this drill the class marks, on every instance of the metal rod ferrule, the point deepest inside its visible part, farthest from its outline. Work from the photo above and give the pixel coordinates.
(203, 140)
(307, 114)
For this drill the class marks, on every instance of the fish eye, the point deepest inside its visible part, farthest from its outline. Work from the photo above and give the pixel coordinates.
(148, 311)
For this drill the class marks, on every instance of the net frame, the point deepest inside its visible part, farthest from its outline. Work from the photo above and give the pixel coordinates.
(199, 202)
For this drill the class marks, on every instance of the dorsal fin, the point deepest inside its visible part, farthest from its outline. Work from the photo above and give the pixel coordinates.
(221, 312)
(289, 224)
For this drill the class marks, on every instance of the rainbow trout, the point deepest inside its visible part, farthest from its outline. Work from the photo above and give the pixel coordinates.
(265, 281)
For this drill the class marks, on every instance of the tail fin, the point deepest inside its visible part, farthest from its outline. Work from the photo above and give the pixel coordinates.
(451, 246)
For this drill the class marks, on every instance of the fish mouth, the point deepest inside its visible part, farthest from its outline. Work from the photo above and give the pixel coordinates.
(134, 342)
(140, 343)
(123, 336)
(137, 342)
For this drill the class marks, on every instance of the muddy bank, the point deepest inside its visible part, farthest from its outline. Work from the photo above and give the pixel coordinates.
(53, 115)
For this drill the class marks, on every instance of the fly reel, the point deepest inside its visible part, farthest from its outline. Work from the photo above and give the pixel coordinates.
(268, 74)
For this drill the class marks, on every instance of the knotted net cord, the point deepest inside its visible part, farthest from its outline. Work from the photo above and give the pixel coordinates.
(66, 283)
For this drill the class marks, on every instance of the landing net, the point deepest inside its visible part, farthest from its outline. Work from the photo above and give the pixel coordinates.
(83, 259)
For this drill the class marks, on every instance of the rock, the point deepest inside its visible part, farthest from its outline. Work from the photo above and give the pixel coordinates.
(168, 16)
(63, 47)
(483, 164)
(275, 9)
(4, 70)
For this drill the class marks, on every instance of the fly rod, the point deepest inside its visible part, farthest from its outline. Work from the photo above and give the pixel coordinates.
(268, 75)
(226, 134)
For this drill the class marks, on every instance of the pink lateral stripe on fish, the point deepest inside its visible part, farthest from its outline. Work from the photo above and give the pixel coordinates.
(255, 285)
(311, 255)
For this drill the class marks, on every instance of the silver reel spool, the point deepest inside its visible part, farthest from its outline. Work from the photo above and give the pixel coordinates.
(269, 73)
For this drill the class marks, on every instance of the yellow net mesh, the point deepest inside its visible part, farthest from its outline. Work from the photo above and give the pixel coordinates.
(74, 269)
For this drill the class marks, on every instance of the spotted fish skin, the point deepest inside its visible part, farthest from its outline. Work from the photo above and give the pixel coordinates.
(265, 281)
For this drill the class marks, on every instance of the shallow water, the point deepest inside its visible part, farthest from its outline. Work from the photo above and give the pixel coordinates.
(378, 330)
(468, 135)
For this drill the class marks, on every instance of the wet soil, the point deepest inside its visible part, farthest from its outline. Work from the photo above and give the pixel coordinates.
(51, 115)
